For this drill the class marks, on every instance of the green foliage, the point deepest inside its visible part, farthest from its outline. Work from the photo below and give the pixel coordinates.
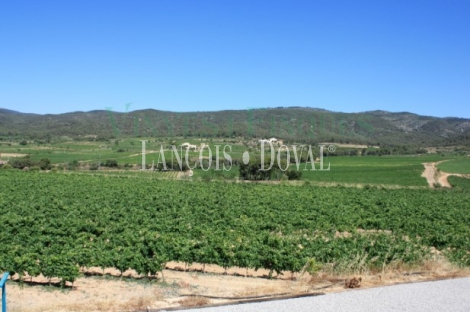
(94, 166)
(73, 165)
(299, 124)
(460, 165)
(459, 183)
(386, 170)
(23, 162)
(294, 174)
(312, 266)
(45, 164)
(255, 170)
(51, 226)
(111, 163)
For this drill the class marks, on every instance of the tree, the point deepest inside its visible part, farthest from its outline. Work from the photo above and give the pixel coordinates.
(112, 163)
(252, 170)
(45, 164)
(72, 165)
(294, 174)
(21, 162)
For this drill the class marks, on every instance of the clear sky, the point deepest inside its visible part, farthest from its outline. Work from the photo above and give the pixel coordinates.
(350, 56)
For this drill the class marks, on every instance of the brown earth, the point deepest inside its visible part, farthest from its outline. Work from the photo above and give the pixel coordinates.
(11, 155)
(429, 172)
(442, 180)
(110, 292)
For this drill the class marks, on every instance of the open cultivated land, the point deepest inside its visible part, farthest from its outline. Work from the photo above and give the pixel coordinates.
(118, 238)
(168, 155)
(57, 227)
(459, 166)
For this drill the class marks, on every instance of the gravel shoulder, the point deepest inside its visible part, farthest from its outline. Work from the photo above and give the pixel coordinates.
(444, 295)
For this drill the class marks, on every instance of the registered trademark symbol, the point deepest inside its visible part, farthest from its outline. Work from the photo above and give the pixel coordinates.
(331, 148)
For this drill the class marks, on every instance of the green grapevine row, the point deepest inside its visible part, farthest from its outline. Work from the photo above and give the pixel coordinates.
(52, 224)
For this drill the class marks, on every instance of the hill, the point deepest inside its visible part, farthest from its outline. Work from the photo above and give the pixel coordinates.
(300, 124)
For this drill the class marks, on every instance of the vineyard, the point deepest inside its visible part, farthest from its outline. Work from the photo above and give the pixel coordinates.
(54, 224)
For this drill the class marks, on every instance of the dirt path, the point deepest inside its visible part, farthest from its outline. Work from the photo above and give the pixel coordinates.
(429, 172)
(442, 180)
(12, 155)
(435, 176)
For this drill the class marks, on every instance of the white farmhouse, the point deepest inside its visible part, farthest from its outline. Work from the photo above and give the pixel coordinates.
(271, 140)
(189, 146)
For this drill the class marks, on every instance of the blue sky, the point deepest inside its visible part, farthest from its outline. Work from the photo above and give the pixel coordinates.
(350, 56)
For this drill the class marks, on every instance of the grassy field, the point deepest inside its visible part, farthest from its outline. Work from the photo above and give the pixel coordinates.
(404, 171)
(124, 151)
(377, 170)
(460, 165)
(374, 170)
(460, 183)
(366, 215)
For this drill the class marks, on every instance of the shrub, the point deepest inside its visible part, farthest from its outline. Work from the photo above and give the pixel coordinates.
(294, 174)
(72, 165)
(22, 162)
(45, 164)
(312, 267)
(112, 163)
(94, 166)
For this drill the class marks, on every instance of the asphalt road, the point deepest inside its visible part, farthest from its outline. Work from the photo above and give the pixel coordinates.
(447, 295)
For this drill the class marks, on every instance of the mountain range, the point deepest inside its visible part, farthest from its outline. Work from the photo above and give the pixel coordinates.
(293, 124)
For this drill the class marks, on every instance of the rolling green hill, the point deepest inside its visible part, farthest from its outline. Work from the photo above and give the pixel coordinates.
(291, 124)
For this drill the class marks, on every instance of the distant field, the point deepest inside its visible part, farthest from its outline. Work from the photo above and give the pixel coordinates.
(374, 170)
(387, 170)
(461, 165)
(459, 183)
(124, 151)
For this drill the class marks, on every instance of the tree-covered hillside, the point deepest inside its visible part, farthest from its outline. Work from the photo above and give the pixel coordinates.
(290, 124)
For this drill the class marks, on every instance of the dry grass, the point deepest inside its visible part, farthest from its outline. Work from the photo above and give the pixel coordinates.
(97, 294)
(397, 272)
(439, 267)
(137, 303)
(260, 291)
(184, 284)
(193, 301)
(75, 307)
